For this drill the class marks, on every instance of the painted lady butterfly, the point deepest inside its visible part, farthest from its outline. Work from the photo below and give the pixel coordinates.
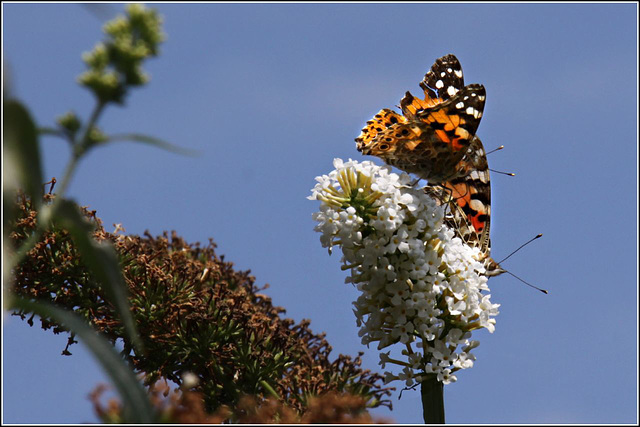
(435, 139)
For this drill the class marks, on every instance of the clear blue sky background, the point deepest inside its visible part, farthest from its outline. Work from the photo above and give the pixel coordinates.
(271, 93)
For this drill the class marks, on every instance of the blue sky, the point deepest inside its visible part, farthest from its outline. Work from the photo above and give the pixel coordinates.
(270, 94)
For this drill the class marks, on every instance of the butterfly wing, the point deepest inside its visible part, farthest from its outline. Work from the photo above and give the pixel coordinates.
(470, 204)
(442, 82)
(385, 120)
(456, 120)
(445, 77)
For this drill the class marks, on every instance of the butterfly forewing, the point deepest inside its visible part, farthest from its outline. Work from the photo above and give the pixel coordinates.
(445, 78)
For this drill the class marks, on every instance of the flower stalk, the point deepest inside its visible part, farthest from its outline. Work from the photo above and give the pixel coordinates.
(432, 393)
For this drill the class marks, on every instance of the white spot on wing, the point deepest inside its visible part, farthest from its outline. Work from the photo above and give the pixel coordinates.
(477, 205)
(473, 112)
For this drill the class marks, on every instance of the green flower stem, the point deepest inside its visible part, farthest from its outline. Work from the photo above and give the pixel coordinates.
(85, 142)
(432, 392)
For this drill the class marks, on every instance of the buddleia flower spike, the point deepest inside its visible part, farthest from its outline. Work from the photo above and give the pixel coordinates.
(422, 289)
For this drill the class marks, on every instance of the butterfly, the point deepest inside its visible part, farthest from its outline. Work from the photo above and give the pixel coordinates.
(435, 139)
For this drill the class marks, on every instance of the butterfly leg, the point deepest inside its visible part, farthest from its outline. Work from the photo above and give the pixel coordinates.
(439, 192)
(414, 183)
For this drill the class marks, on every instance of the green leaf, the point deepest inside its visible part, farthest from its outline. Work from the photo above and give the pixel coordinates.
(269, 389)
(52, 132)
(102, 261)
(134, 137)
(137, 408)
(21, 154)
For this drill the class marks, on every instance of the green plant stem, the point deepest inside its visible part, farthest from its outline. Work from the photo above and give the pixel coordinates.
(432, 392)
(84, 144)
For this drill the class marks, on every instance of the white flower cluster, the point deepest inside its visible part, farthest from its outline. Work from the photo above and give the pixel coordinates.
(420, 286)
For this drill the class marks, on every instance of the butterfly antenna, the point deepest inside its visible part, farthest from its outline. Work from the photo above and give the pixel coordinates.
(503, 173)
(500, 172)
(496, 149)
(521, 246)
(544, 291)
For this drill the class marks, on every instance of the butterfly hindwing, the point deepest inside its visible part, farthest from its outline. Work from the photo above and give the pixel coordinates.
(469, 204)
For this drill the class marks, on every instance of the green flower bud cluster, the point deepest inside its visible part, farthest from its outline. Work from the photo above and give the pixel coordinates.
(116, 64)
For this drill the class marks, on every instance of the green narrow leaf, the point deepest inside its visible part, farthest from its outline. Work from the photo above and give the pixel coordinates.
(52, 132)
(102, 261)
(269, 389)
(134, 137)
(137, 407)
(21, 154)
